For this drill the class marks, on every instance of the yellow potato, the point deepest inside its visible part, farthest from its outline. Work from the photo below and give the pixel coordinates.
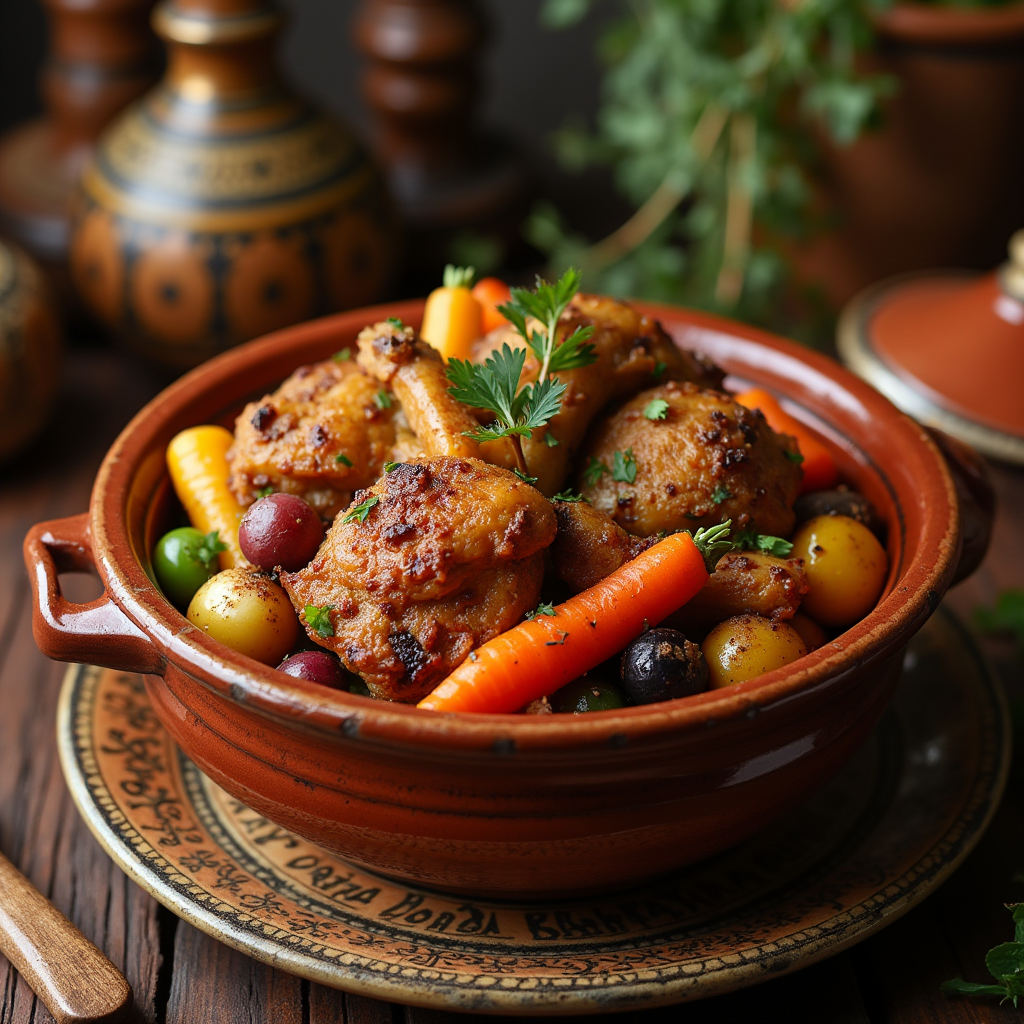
(746, 646)
(846, 569)
(247, 612)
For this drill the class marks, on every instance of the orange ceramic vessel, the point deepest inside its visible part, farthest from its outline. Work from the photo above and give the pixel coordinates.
(505, 804)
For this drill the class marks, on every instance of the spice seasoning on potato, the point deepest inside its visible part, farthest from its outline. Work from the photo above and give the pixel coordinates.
(747, 646)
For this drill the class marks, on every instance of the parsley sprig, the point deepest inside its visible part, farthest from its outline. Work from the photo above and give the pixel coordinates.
(1005, 963)
(211, 546)
(751, 540)
(319, 619)
(494, 385)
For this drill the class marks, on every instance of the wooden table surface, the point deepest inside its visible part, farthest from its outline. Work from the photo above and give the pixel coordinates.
(181, 976)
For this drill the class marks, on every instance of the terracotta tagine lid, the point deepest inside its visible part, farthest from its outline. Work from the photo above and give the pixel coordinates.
(222, 206)
(30, 348)
(948, 348)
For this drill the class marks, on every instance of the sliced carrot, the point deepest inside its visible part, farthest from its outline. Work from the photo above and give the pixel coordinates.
(819, 467)
(198, 465)
(491, 292)
(542, 654)
(452, 317)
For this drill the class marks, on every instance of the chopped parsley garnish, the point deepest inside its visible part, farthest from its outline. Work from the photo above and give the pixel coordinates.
(358, 513)
(343, 356)
(721, 493)
(550, 440)
(656, 409)
(624, 467)
(594, 471)
(207, 551)
(544, 608)
(751, 540)
(395, 322)
(319, 619)
(382, 399)
(343, 459)
(568, 495)
(793, 456)
(388, 466)
(522, 476)
(265, 492)
(659, 369)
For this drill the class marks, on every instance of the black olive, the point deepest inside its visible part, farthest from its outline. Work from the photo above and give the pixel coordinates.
(587, 694)
(840, 502)
(662, 664)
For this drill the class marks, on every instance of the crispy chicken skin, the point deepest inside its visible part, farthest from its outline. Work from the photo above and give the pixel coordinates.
(291, 440)
(450, 555)
(709, 459)
(632, 353)
(395, 356)
(590, 545)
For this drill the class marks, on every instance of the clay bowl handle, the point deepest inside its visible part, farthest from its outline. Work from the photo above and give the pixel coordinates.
(977, 498)
(78, 984)
(97, 632)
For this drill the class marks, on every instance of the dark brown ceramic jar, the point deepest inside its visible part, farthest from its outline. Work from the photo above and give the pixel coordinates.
(505, 804)
(221, 205)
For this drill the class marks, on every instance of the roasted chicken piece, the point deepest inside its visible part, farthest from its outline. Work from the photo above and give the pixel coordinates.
(323, 434)
(393, 354)
(632, 353)
(446, 554)
(694, 458)
(590, 545)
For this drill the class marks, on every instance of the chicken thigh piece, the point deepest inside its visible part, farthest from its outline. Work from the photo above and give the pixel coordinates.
(694, 458)
(445, 554)
(323, 434)
(393, 354)
(633, 352)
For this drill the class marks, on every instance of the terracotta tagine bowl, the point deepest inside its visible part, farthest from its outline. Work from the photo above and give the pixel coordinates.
(222, 206)
(504, 804)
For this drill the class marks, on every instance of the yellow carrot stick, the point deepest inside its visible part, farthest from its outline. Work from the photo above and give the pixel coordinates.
(542, 654)
(197, 463)
(452, 317)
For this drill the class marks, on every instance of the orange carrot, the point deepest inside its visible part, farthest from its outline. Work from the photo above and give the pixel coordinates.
(491, 292)
(542, 654)
(819, 467)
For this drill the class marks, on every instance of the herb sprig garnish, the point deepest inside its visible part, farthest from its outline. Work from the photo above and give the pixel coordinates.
(751, 540)
(211, 546)
(494, 385)
(319, 619)
(1005, 963)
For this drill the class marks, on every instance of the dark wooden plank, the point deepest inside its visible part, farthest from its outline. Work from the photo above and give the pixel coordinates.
(216, 983)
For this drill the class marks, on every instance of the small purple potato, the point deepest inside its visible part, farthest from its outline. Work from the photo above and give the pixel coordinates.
(280, 530)
(316, 666)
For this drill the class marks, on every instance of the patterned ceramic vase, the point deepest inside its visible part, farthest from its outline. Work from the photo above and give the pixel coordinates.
(30, 347)
(221, 206)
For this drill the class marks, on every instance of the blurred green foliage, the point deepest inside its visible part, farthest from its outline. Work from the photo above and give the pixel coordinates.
(708, 118)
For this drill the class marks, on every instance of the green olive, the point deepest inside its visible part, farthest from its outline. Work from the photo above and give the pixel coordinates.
(846, 569)
(183, 561)
(585, 694)
(247, 612)
(747, 646)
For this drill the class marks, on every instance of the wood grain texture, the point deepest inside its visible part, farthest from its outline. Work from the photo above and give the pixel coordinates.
(70, 975)
(180, 975)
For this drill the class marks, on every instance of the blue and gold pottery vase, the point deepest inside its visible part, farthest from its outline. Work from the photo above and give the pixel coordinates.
(221, 206)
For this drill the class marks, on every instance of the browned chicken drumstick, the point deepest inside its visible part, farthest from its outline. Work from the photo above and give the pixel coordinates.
(446, 554)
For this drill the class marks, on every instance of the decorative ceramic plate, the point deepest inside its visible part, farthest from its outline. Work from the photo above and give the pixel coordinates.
(874, 842)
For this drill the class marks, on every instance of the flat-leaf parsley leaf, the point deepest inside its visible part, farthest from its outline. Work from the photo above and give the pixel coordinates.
(624, 467)
(319, 619)
(656, 409)
(360, 512)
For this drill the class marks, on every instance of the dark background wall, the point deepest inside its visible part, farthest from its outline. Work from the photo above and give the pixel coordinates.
(534, 79)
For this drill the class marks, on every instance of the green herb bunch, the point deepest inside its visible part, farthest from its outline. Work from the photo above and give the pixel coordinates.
(494, 384)
(708, 115)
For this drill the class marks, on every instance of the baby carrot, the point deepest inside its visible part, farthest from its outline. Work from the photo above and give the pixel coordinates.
(452, 317)
(491, 292)
(538, 656)
(819, 467)
(197, 463)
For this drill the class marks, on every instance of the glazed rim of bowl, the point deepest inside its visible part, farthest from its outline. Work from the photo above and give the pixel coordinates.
(913, 591)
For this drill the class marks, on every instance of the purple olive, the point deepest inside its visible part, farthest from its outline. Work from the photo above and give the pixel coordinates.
(316, 666)
(280, 530)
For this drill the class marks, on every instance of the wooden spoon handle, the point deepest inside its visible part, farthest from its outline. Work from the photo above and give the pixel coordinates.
(78, 984)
